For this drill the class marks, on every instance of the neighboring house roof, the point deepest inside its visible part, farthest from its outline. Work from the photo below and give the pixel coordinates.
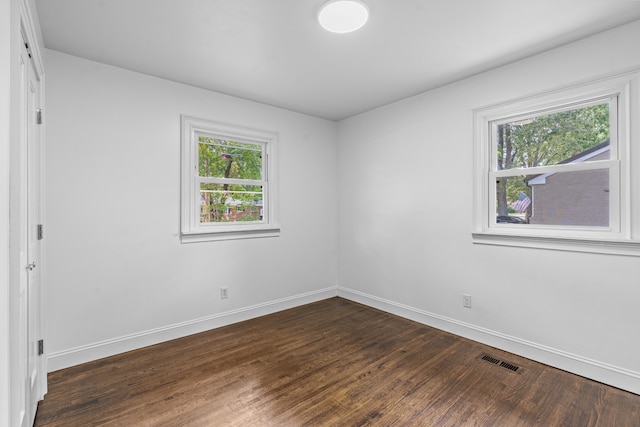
(577, 158)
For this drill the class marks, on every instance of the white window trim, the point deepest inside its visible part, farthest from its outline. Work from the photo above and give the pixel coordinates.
(190, 228)
(623, 235)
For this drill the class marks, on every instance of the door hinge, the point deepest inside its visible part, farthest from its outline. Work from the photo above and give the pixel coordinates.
(40, 347)
(40, 232)
(39, 116)
(26, 45)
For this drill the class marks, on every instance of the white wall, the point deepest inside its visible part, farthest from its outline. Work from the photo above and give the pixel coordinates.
(405, 201)
(118, 276)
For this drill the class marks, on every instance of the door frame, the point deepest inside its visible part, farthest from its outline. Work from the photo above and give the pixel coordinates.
(35, 360)
(22, 23)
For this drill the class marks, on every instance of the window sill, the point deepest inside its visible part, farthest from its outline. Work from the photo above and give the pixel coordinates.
(599, 246)
(255, 233)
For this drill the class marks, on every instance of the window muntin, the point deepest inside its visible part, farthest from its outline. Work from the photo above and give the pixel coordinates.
(228, 182)
(616, 159)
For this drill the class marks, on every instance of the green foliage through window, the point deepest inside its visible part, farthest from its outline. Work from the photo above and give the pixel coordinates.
(220, 158)
(544, 140)
(236, 171)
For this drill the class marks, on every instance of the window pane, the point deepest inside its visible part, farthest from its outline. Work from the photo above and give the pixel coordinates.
(230, 203)
(513, 200)
(579, 198)
(565, 137)
(221, 158)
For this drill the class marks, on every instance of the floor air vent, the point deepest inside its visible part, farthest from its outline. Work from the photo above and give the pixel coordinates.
(501, 363)
(509, 366)
(490, 359)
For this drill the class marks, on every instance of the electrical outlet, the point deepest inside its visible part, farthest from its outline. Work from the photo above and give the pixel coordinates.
(466, 300)
(224, 293)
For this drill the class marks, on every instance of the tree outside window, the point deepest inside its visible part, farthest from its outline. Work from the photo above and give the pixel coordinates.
(543, 140)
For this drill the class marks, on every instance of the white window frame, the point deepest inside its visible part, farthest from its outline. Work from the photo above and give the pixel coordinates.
(191, 228)
(622, 236)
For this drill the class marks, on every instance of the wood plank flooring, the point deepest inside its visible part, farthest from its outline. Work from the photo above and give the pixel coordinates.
(330, 363)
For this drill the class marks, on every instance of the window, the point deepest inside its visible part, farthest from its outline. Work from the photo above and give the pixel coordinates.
(228, 182)
(554, 170)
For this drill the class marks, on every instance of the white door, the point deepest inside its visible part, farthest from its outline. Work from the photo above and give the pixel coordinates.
(31, 305)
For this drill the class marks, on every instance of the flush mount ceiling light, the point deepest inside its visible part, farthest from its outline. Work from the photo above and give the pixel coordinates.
(343, 16)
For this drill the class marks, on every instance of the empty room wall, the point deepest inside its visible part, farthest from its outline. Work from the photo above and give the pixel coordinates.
(117, 275)
(405, 207)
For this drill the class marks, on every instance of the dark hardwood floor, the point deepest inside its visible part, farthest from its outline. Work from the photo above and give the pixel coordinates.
(331, 363)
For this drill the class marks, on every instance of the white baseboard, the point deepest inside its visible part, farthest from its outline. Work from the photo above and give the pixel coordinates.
(592, 369)
(86, 353)
(598, 371)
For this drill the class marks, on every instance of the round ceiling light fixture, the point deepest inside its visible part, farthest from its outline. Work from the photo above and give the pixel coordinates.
(343, 16)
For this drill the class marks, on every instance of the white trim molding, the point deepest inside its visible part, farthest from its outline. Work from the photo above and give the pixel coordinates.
(598, 246)
(98, 350)
(599, 371)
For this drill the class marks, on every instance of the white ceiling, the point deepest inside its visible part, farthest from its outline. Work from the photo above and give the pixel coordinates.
(274, 52)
